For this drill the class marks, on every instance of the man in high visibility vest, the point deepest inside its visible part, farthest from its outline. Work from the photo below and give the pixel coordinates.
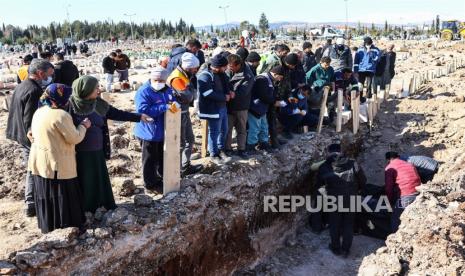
(179, 81)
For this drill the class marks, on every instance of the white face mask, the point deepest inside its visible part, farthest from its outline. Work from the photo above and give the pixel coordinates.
(157, 85)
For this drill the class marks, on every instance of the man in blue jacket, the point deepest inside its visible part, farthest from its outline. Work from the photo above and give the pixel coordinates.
(214, 92)
(263, 96)
(365, 62)
(295, 113)
(154, 99)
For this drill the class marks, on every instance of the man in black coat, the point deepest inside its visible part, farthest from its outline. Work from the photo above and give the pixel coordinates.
(108, 65)
(343, 178)
(65, 70)
(309, 60)
(241, 80)
(24, 104)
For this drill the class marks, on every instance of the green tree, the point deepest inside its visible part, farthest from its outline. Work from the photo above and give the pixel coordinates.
(263, 23)
(244, 25)
(53, 35)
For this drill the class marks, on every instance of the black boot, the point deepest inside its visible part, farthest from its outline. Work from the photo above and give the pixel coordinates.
(191, 169)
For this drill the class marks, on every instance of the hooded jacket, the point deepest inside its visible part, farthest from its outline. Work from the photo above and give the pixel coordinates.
(341, 175)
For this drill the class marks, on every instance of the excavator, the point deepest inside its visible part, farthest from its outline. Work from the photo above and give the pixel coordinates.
(452, 30)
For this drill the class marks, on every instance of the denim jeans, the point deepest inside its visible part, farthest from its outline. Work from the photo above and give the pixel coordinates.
(217, 132)
(109, 80)
(400, 205)
(258, 129)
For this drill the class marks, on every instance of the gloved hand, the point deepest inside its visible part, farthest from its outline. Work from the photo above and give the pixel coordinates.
(303, 112)
(296, 111)
(293, 100)
(174, 107)
(256, 101)
(282, 103)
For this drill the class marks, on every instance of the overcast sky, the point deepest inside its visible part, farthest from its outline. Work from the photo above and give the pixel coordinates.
(206, 12)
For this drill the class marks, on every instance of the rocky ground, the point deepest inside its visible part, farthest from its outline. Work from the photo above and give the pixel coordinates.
(430, 239)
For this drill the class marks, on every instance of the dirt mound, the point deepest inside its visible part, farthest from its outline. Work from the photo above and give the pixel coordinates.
(12, 171)
(430, 238)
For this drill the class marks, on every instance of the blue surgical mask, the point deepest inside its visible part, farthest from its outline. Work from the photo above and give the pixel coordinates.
(46, 82)
(300, 96)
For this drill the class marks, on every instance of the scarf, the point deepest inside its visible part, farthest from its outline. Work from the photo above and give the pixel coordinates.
(82, 88)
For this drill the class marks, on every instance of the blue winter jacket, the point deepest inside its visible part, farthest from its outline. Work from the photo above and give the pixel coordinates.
(213, 89)
(290, 107)
(366, 61)
(175, 58)
(152, 103)
(263, 95)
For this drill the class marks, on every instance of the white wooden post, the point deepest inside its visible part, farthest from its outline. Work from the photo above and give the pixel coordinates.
(322, 109)
(171, 153)
(340, 95)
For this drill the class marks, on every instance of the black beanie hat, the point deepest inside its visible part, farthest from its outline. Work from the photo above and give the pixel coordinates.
(278, 70)
(219, 61)
(253, 57)
(368, 40)
(242, 52)
(292, 59)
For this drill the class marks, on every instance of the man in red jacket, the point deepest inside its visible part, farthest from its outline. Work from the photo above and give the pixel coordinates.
(401, 179)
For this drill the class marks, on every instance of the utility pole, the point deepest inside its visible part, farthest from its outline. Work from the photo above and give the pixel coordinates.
(130, 19)
(69, 22)
(347, 23)
(225, 17)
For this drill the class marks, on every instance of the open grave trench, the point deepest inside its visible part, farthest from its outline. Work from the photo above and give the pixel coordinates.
(216, 225)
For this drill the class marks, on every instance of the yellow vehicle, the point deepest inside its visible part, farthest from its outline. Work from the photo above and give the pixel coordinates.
(452, 30)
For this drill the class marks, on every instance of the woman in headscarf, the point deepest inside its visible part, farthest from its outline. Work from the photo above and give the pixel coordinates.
(52, 161)
(95, 148)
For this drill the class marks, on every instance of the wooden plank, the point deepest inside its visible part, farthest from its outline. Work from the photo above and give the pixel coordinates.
(340, 95)
(203, 150)
(388, 90)
(370, 113)
(382, 97)
(171, 153)
(355, 111)
(322, 109)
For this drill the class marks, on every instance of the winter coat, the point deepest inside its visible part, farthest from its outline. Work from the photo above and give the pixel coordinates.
(242, 83)
(66, 72)
(213, 89)
(24, 103)
(366, 60)
(340, 55)
(263, 95)
(154, 104)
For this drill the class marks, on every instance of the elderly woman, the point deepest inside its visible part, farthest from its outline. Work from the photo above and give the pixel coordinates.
(52, 161)
(95, 148)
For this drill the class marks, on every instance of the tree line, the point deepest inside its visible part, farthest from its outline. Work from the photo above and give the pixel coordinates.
(100, 30)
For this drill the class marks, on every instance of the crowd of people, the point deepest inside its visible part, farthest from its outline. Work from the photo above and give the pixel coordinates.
(59, 120)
